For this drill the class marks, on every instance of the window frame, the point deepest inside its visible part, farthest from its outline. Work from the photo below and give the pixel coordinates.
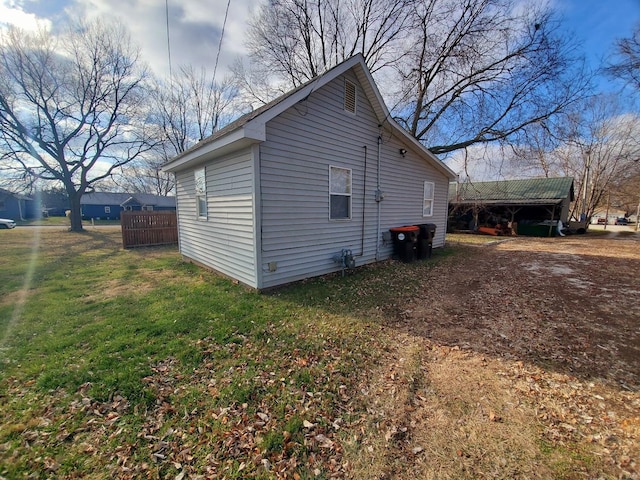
(425, 199)
(107, 209)
(200, 185)
(347, 194)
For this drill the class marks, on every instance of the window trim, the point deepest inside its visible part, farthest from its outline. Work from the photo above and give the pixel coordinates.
(426, 199)
(201, 194)
(107, 209)
(348, 195)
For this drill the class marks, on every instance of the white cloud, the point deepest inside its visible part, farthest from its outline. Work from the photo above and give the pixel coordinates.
(12, 14)
(194, 29)
(486, 162)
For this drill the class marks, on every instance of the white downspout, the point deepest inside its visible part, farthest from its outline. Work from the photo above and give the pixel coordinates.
(379, 197)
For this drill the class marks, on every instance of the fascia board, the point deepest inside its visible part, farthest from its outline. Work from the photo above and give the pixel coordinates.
(244, 136)
(439, 165)
(255, 129)
(383, 114)
(372, 92)
(302, 94)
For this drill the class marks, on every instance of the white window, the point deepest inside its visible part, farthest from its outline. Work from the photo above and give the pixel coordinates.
(427, 205)
(350, 96)
(107, 209)
(148, 208)
(339, 193)
(201, 193)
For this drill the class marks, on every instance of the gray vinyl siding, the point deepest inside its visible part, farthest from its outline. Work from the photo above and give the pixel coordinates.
(403, 186)
(302, 143)
(298, 238)
(225, 241)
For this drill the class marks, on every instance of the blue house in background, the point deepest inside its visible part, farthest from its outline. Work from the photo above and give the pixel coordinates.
(107, 206)
(17, 207)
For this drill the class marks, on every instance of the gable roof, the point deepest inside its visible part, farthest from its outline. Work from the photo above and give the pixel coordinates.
(122, 199)
(17, 196)
(251, 128)
(541, 191)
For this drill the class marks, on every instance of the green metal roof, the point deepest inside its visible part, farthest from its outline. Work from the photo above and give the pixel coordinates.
(528, 191)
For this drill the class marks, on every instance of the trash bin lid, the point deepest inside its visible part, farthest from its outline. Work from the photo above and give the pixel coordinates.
(408, 228)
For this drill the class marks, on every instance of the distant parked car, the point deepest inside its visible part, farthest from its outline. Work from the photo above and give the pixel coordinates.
(602, 221)
(7, 223)
(622, 221)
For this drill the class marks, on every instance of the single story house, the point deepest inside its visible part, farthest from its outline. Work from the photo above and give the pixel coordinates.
(107, 206)
(17, 207)
(292, 189)
(527, 202)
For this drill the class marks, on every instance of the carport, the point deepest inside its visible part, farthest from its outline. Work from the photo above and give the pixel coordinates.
(528, 206)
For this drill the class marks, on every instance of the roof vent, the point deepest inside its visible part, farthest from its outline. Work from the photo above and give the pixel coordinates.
(349, 96)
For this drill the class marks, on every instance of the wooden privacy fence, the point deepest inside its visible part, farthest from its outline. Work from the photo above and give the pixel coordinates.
(145, 228)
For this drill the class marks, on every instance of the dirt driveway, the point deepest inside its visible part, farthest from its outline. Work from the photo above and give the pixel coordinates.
(571, 305)
(522, 361)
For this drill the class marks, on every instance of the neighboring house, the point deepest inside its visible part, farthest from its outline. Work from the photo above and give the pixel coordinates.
(613, 213)
(280, 194)
(107, 206)
(17, 207)
(526, 202)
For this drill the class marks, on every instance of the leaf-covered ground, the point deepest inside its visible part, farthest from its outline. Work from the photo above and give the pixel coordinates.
(519, 359)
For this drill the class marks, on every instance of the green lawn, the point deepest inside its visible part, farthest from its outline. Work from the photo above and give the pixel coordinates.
(64, 221)
(473, 238)
(116, 361)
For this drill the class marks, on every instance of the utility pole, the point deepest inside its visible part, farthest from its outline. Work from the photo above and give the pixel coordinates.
(606, 217)
(583, 216)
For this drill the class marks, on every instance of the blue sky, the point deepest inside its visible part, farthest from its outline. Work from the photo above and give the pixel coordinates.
(195, 25)
(597, 23)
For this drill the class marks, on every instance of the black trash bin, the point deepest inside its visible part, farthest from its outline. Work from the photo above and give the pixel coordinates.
(425, 240)
(405, 242)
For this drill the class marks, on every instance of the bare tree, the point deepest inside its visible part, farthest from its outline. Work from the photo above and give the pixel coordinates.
(482, 70)
(300, 39)
(255, 82)
(145, 176)
(601, 152)
(71, 106)
(626, 64)
(532, 152)
(467, 71)
(191, 107)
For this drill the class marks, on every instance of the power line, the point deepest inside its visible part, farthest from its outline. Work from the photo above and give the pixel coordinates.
(224, 23)
(166, 8)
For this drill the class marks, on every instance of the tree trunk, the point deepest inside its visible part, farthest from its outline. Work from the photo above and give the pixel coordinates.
(76, 213)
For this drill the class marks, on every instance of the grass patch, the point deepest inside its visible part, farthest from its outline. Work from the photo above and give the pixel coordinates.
(64, 222)
(118, 360)
(473, 239)
(45, 221)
